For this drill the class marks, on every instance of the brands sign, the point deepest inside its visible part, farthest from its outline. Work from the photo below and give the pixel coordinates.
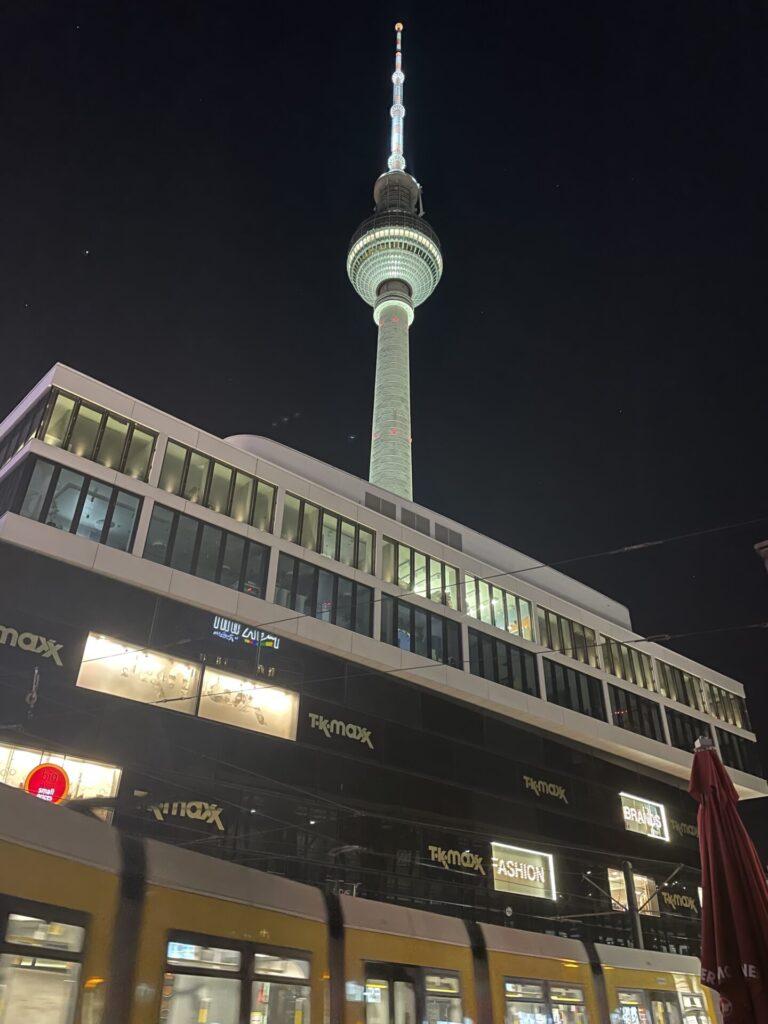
(542, 787)
(197, 810)
(644, 816)
(336, 727)
(237, 632)
(48, 782)
(32, 643)
(526, 872)
(456, 859)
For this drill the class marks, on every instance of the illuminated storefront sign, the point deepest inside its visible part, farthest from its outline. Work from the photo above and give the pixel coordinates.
(542, 787)
(683, 828)
(527, 872)
(236, 632)
(197, 810)
(459, 859)
(48, 782)
(122, 670)
(644, 816)
(86, 779)
(32, 643)
(335, 727)
(248, 704)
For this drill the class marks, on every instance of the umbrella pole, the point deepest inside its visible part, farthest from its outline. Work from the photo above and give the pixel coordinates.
(635, 924)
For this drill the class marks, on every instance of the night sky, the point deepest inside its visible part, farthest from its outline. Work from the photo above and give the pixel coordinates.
(179, 182)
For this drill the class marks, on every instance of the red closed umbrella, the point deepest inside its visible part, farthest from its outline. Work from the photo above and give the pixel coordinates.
(734, 916)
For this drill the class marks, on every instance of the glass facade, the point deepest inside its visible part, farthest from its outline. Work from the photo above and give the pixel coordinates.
(320, 594)
(498, 607)
(69, 501)
(628, 663)
(502, 663)
(22, 431)
(689, 689)
(568, 637)
(638, 714)
(94, 433)
(329, 534)
(412, 570)
(199, 478)
(728, 707)
(186, 544)
(575, 690)
(739, 753)
(423, 632)
(685, 730)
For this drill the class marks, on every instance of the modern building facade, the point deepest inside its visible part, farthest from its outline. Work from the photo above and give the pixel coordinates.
(232, 646)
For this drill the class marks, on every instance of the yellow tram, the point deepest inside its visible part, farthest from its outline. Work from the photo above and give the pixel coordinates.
(99, 928)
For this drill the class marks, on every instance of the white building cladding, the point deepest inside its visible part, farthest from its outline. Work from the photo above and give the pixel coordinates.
(251, 530)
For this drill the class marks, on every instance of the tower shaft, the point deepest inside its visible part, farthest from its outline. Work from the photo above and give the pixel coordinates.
(391, 438)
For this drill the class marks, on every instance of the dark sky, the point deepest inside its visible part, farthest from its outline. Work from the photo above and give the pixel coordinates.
(179, 181)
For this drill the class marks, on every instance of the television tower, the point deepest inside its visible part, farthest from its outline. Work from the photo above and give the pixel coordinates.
(394, 263)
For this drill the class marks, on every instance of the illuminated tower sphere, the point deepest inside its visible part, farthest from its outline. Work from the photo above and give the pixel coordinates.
(394, 263)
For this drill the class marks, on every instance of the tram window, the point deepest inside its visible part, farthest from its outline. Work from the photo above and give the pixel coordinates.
(567, 1004)
(538, 1002)
(286, 967)
(211, 958)
(632, 1008)
(443, 1003)
(393, 995)
(694, 1011)
(276, 1002)
(190, 998)
(32, 931)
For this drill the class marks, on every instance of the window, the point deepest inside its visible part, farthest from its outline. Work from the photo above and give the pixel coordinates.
(313, 591)
(136, 673)
(727, 706)
(628, 663)
(738, 752)
(681, 686)
(229, 985)
(645, 893)
(248, 704)
(422, 632)
(41, 955)
(93, 433)
(394, 993)
(184, 543)
(498, 607)
(79, 504)
(317, 529)
(637, 714)
(22, 431)
(502, 663)
(537, 1002)
(201, 479)
(426, 576)
(684, 730)
(568, 637)
(575, 690)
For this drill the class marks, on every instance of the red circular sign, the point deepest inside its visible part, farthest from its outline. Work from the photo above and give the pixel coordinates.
(48, 782)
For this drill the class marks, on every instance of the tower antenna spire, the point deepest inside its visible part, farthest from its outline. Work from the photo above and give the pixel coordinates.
(396, 161)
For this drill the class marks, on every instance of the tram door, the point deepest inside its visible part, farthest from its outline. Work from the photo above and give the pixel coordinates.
(391, 995)
(665, 1008)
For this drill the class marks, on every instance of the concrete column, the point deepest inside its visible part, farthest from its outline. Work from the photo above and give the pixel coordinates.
(391, 439)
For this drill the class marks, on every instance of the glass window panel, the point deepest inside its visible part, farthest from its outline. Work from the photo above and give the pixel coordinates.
(590, 637)
(256, 564)
(275, 1003)
(553, 628)
(139, 453)
(328, 535)
(264, 506)
(419, 574)
(310, 526)
(404, 571)
(37, 490)
(344, 603)
(197, 477)
(242, 496)
(502, 662)
(347, 544)
(110, 453)
(363, 610)
(218, 492)
(27, 983)
(156, 547)
(173, 468)
(513, 621)
(65, 498)
(403, 626)
(290, 530)
(122, 520)
(544, 629)
(365, 550)
(305, 589)
(183, 954)
(189, 999)
(436, 642)
(565, 629)
(404, 1002)
(58, 423)
(420, 633)
(324, 606)
(208, 557)
(451, 595)
(444, 1009)
(377, 1002)
(453, 644)
(470, 595)
(387, 623)
(388, 551)
(34, 931)
(497, 608)
(184, 544)
(285, 967)
(232, 563)
(286, 570)
(524, 990)
(94, 511)
(85, 429)
(484, 601)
